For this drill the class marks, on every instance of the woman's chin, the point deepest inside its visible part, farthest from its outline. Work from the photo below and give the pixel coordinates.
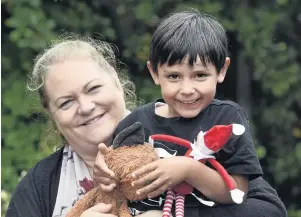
(101, 138)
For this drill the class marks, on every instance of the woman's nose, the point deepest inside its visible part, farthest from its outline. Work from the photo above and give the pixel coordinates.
(86, 106)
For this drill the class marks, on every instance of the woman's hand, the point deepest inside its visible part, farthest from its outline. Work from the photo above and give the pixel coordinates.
(102, 175)
(152, 213)
(162, 175)
(98, 210)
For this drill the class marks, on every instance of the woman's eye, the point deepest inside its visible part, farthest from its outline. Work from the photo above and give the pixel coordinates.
(66, 104)
(94, 88)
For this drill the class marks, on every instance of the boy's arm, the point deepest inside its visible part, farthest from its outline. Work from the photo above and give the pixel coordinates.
(238, 157)
(210, 183)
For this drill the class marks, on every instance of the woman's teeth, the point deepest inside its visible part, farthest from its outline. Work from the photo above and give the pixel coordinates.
(93, 120)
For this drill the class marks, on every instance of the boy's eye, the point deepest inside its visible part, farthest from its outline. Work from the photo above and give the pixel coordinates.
(202, 75)
(173, 77)
(66, 104)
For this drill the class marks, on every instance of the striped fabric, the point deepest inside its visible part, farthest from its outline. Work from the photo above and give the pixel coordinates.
(170, 197)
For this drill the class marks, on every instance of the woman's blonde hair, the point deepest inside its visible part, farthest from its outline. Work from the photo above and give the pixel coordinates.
(76, 46)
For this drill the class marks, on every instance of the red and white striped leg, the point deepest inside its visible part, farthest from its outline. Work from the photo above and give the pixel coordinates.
(180, 199)
(170, 196)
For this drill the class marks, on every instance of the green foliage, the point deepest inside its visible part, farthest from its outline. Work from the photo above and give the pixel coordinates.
(265, 34)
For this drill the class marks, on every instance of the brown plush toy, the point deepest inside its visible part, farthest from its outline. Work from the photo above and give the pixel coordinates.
(128, 153)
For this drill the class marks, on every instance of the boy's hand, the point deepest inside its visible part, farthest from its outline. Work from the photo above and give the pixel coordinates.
(163, 174)
(102, 175)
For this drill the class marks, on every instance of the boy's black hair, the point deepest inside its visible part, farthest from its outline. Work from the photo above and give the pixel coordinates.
(189, 33)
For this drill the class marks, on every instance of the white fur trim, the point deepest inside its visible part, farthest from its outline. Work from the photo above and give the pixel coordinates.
(205, 202)
(162, 153)
(151, 141)
(198, 154)
(238, 129)
(237, 196)
(200, 145)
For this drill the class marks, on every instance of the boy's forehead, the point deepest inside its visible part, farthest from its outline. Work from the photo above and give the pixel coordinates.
(197, 62)
(185, 62)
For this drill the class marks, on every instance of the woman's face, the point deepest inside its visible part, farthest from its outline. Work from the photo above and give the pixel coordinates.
(84, 102)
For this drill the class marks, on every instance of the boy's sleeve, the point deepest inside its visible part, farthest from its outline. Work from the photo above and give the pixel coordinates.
(262, 201)
(238, 156)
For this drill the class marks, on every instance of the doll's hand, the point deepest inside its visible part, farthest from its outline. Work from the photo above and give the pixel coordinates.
(99, 210)
(163, 174)
(102, 175)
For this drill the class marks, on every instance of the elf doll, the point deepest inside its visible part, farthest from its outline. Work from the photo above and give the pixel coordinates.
(206, 144)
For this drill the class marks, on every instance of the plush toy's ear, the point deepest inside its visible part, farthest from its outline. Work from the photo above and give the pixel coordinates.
(130, 136)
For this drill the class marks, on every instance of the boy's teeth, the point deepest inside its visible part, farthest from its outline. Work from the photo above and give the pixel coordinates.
(187, 102)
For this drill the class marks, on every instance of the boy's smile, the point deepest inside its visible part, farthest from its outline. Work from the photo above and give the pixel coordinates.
(186, 89)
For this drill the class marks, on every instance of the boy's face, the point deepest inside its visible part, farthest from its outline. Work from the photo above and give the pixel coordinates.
(186, 89)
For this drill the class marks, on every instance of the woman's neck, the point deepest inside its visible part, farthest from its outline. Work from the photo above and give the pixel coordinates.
(88, 157)
(89, 161)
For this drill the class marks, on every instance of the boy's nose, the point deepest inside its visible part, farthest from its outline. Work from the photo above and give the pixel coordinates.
(187, 88)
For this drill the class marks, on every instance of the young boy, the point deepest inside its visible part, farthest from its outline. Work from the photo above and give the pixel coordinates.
(188, 57)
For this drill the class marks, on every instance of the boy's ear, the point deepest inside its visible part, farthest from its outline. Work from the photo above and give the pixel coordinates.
(153, 74)
(222, 74)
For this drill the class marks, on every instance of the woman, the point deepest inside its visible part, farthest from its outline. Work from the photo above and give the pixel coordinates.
(82, 94)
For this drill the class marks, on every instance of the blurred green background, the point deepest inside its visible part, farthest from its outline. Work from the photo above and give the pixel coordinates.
(264, 76)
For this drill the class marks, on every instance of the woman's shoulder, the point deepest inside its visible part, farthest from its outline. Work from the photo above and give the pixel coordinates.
(35, 194)
(42, 172)
(48, 165)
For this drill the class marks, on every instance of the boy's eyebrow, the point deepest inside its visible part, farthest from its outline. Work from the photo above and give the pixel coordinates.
(204, 70)
(170, 71)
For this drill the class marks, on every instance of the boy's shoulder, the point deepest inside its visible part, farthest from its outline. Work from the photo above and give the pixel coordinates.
(145, 107)
(142, 110)
(225, 104)
(140, 114)
(223, 112)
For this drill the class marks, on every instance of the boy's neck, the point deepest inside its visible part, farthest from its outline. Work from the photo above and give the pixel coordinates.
(163, 110)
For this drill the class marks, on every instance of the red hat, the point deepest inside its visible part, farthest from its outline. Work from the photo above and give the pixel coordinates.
(218, 136)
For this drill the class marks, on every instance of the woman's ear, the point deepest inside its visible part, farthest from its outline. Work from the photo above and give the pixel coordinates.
(222, 74)
(153, 74)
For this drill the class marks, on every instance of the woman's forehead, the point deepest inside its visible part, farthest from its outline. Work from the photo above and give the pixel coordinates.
(72, 69)
(75, 74)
